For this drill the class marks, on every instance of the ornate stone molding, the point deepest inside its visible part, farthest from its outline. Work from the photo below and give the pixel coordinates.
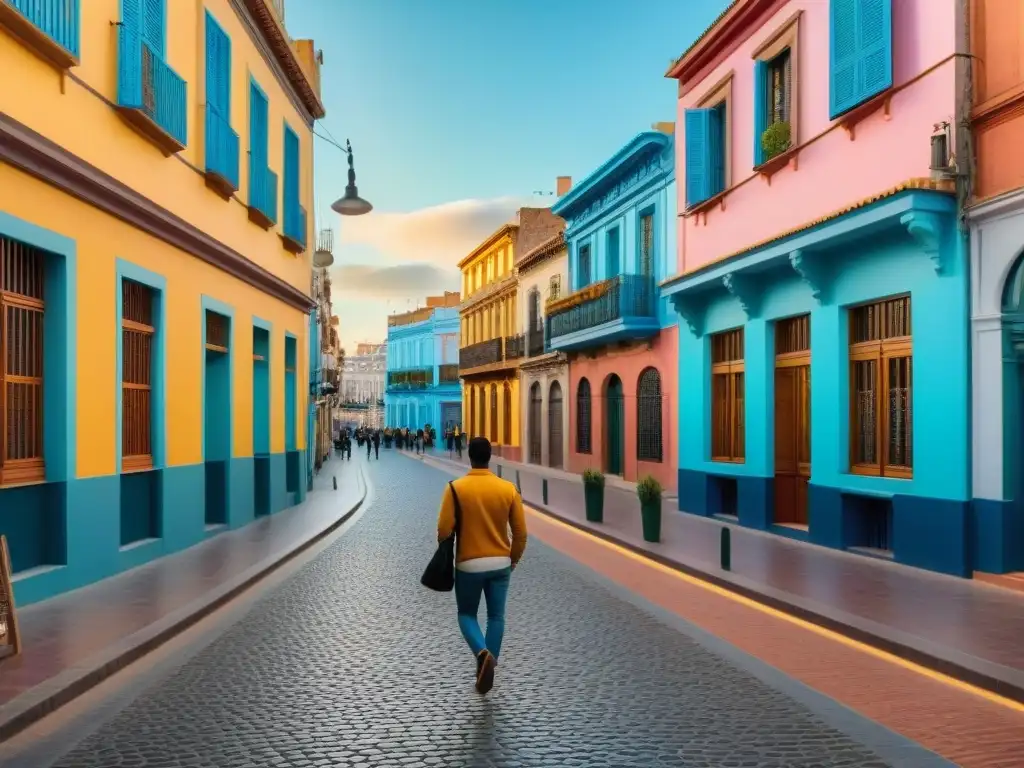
(814, 273)
(927, 230)
(23, 148)
(744, 289)
(692, 312)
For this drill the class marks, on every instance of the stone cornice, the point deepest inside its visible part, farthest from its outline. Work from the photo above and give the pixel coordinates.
(28, 151)
(502, 231)
(542, 253)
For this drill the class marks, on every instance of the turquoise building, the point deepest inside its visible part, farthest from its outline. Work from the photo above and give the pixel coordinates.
(422, 384)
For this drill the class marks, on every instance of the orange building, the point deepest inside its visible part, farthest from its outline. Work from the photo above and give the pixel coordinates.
(996, 215)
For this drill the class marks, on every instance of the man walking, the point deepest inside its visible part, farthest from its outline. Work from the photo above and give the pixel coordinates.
(484, 556)
(376, 445)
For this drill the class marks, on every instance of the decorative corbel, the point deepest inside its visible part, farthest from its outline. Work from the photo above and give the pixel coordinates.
(814, 273)
(743, 288)
(926, 229)
(692, 312)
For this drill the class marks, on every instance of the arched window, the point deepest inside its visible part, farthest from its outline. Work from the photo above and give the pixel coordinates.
(494, 413)
(648, 416)
(507, 425)
(583, 417)
(533, 423)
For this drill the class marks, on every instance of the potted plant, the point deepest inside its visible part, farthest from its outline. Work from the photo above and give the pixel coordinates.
(776, 139)
(593, 495)
(649, 492)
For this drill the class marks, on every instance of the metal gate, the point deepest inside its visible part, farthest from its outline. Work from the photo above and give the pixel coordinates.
(534, 425)
(555, 425)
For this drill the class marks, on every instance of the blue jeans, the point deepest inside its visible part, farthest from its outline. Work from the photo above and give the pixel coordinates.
(494, 587)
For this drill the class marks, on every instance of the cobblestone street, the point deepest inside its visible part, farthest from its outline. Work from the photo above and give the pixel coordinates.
(352, 663)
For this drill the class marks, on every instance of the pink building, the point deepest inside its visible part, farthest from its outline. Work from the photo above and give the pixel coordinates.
(818, 243)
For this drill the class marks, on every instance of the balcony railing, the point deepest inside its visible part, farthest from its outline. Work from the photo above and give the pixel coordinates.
(263, 196)
(481, 353)
(411, 378)
(221, 152)
(51, 27)
(151, 95)
(515, 347)
(623, 297)
(448, 373)
(294, 226)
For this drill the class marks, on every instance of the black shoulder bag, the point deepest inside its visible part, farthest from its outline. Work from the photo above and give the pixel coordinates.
(440, 573)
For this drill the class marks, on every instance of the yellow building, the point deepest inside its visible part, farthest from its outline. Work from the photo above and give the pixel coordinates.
(155, 173)
(492, 342)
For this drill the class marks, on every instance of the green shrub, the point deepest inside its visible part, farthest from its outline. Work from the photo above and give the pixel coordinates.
(648, 489)
(776, 139)
(593, 477)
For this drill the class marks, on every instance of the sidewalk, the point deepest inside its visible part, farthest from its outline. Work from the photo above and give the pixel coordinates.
(74, 641)
(959, 627)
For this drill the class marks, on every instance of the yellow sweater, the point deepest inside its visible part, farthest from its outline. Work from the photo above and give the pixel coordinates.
(489, 507)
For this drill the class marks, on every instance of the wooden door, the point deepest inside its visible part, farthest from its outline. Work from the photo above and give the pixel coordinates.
(555, 426)
(615, 419)
(534, 423)
(792, 421)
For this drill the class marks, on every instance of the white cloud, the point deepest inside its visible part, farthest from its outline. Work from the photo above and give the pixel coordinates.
(402, 281)
(442, 234)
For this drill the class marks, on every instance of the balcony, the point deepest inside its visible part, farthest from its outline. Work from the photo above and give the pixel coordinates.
(515, 347)
(263, 197)
(483, 353)
(50, 28)
(221, 154)
(410, 379)
(151, 96)
(294, 236)
(448, 373)
(619, 309)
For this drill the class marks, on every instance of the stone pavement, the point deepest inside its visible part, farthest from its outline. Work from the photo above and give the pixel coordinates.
(352, 663)
(960, 627)
(73, 641)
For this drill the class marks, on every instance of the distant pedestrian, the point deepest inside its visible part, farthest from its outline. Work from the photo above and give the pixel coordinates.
(369, 445)
(458, 442)
(484, 555)
(376, 445)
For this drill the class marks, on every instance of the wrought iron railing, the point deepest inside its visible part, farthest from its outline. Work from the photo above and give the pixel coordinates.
(148, 84)
(621, 297)
(515, 347)
(221, 147)
(481, 353)
(411, 378)
(448, 373)
(263, 196)
(535, 342)
(59, 20)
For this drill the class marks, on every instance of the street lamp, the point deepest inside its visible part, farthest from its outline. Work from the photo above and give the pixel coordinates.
(351, 204)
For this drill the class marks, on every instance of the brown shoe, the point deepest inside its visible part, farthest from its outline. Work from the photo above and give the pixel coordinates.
(485, 672)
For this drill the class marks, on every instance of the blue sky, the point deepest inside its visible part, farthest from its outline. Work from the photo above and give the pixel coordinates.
(459, 110)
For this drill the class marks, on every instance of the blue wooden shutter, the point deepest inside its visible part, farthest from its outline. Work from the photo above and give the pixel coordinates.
(291, 168)
(129, 80)
(874, 32)
(258, 127)
(218, 68)
(698, 161)
(760, 108)
(843, 54)
(717, 136)
(153, 25)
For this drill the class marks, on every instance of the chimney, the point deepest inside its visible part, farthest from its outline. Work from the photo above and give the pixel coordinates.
(562, 185)
(666, 128)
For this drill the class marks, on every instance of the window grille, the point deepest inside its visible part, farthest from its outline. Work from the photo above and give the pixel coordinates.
(137, 334)
(728, 428)
(648, 416)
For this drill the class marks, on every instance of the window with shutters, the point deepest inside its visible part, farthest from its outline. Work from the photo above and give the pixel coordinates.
(583, 417)
(728, 427)
(21, 362)
(138, 334)
(860, 52)
(262, 181)
(647, 244)
(707, 145)
(221, 140)
(648, 416)
(881, 389)
(583, 267)
(294, 214)
(776, 90)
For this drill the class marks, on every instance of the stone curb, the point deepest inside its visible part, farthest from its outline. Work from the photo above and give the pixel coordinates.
(996, 678)
(40, 701)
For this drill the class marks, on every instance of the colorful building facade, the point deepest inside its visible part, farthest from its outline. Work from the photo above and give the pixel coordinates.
(823, 380)
(619, 335)
(996, 215)
(423, 384)
(155, 279)
(543, 373)
(491, 340)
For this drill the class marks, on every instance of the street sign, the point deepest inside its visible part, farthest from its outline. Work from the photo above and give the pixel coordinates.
(10, 640)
